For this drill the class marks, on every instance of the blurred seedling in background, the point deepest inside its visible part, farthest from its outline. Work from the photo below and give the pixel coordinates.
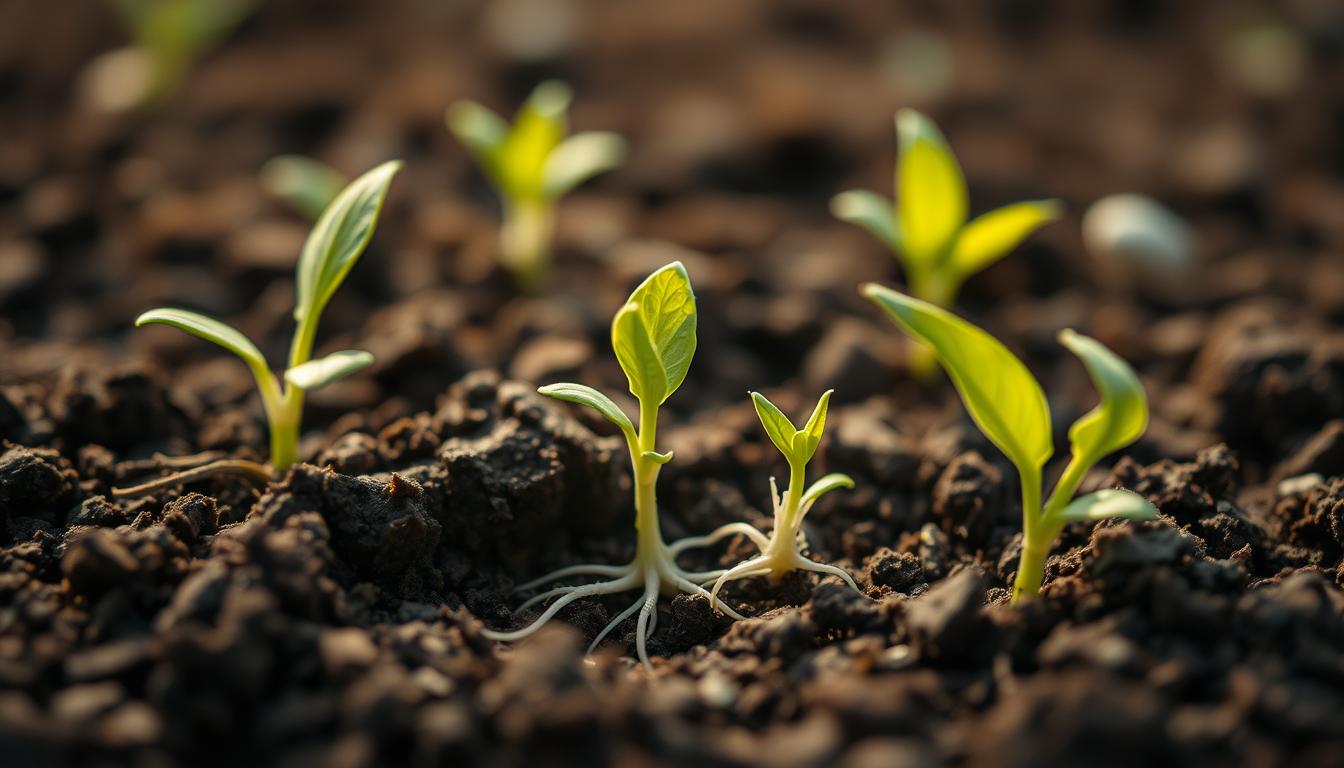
(927, 228)
(306, 184)
(167, 37)
(1007, 403)
(330, 252)
(783, 552)
(653, 336)
(532, 164)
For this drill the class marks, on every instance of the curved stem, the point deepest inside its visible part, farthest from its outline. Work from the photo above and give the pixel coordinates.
(1035, 543)
(722, 532)
(812, 565)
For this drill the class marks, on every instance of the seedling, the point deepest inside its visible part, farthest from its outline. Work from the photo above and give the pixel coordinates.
(334, 245)
(1007, 403)
(653, 336)
(783, 551)
(926, 228)
(532, 164)
(169, 35)
(306, 184)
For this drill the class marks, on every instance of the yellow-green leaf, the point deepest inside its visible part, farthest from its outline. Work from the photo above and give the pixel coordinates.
(1001, 395)
(931, 199)
(483, 132)
(777, 426)
(824, 486)
(1109, 503)
(211, 330)
(318, 373)
(579, 158)
(1122, 415)
(871, 211)
(989, 237)
(537, 131)
(305, 183)
(578, 393)
(338, 239)
(654, 334)
(807, 439)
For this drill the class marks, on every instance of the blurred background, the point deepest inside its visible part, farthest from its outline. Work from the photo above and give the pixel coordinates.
(743, 119)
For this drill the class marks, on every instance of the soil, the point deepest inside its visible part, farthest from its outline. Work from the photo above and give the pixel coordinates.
(334, 617)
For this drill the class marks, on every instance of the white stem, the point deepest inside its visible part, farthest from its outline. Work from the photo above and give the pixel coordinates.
(574, 570)
(604, 588)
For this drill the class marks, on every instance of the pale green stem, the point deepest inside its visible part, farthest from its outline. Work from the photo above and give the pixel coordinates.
(783, 545)
(1035, 539)
(525, 241)
(649, 538)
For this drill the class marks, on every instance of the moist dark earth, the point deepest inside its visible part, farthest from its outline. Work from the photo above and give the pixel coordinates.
(334, 617)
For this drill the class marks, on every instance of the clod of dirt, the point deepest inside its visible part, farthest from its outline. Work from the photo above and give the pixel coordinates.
(946, 623)
(37, 486)
(898, 571)
(968, 498)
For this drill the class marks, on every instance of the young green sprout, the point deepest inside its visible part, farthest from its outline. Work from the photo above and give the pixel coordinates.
(782, 553)
(653, 336)
(1007, 403)
(334, 245)
(927, 228)
(532, 164)
(306, 184)
(168, 36)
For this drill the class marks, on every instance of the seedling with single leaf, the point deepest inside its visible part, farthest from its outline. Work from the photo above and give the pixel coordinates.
(334, 245)
(653, 336)
(783, 551)
(532, 164)
(1007, 403)
(926, 227)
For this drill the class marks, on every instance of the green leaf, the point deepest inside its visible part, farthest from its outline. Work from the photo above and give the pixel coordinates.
(338, 239)
(824, 486)
(579, 158)
(991, 236)
(318, 373)
(656, 457)
(536, 132)
(1122, 415)
(209, 329)
(807, 439)
(871, 211)
(930, 189)
(578, 393)
(303, 182)
(1109, 503)
(1000, 393)
(777, 426)
(482, 131)
(654, 334)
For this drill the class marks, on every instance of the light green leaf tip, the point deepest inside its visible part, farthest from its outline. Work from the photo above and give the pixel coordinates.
(583, 395)
(653, 335)
(1122, 415)
(1109, 503)
(989, 237)
(579, 158)
(318, 373)
(1002, 396)
(305, 183)
(871, 211)
(825, 485)
(807, 439)
(777, 426)
(481, 130)
(206, 328)
(339, 238)
(931, 198)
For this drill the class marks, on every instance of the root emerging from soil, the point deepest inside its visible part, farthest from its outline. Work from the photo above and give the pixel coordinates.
(259, 473)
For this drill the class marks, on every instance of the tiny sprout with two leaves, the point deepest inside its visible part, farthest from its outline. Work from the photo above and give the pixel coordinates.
(782, 553)
(330, 252)
(1007, 404)
(653, 336)
(532, 164)
(927, 226)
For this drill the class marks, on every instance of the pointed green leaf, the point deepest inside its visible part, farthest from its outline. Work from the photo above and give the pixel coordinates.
(777, 426)
(654, 334)
(1122, 415)
(809, 437)
(1109, 503)
(930, 189)
(338, 239)
(1001, 395)
(989, 237)
(579, 158)
(824, 486)
(318, 373)
(536, 132)
(305, 183)
(871, 211)
(482, 131)
(209, 329)
(578, 393)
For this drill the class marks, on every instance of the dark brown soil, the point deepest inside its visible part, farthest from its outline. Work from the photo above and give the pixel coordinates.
(334, 617)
